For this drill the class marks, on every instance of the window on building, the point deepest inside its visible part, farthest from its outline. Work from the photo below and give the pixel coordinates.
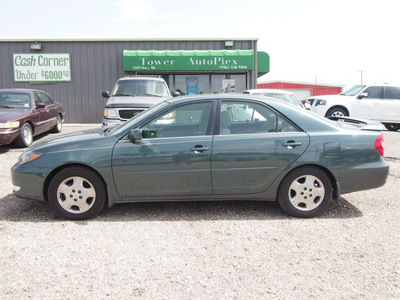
(228, 83)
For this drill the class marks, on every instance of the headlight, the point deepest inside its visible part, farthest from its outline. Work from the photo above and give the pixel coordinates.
(320, 102)
(110, 113)
(29, 156)
(9, 125)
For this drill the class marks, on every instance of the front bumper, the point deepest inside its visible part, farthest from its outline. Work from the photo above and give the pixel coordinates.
(111, 122)
(28, 182)
(7, 136)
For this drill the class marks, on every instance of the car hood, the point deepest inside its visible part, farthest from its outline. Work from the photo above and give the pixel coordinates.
(8, 114)
(76, 140)
(140, 100)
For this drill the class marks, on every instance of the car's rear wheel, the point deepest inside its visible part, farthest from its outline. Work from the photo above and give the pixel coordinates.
(58, 127)
(336, 112)
(25, 136)
(392, 127)
(305, 192)
(77, 193)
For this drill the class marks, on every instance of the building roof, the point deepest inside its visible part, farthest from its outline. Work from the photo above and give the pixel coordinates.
(300, 83)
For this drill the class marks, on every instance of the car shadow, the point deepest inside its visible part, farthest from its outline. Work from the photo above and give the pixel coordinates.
(15, 209)
(14, 147)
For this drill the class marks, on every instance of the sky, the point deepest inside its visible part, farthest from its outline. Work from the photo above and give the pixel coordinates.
(331, 42)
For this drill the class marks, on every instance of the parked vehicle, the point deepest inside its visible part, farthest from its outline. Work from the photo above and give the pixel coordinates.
(206, 147)
(132, 95)
(282, 95)
(25, 113)
(375, 102)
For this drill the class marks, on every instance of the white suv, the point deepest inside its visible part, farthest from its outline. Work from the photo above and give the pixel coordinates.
(132, 95)
(375, 102)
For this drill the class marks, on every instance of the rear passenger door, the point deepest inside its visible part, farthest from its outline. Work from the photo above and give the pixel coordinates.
(41, 123)
(50, 110)
(253, 146)
(391, 104)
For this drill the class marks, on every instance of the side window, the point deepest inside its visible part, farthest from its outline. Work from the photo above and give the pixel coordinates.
(248, 117)
(185, 120)
(46, 99)
(374, 92)
(392, 92)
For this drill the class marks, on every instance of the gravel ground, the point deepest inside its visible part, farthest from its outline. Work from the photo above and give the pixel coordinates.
(203, 250)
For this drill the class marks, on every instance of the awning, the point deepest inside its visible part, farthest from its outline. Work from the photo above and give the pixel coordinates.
(263, 63)
(189, 60)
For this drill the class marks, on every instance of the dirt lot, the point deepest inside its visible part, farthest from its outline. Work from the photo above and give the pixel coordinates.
(203, 250)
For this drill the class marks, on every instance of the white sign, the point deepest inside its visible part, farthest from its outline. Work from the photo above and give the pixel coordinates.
(43, 67)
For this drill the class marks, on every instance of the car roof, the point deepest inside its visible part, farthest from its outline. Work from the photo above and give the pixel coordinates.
(141, 78)
(275, 91)
(227, 96)
(19, 90)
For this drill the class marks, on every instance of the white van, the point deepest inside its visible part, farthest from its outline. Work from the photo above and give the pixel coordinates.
(375, 102)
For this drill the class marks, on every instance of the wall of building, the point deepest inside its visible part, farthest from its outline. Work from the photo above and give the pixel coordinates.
(95, 66)
(315, 89)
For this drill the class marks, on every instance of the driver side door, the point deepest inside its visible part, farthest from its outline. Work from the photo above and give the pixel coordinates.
(172, 159)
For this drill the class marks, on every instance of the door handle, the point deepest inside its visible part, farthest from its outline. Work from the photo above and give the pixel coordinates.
(291, 144)
(199, 148)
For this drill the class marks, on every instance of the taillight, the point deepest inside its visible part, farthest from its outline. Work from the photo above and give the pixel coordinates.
(379, 144)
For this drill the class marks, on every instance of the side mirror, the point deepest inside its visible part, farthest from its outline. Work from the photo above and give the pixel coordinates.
(40, 105)
(175, 94)
(362, 95)
(307, 105)
(106, 94)
(135, 135)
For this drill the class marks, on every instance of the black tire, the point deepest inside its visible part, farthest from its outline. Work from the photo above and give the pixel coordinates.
(336, 112)
(58, 127)
(305, 192)
(77, 193)
(392, 127)
(25, 136)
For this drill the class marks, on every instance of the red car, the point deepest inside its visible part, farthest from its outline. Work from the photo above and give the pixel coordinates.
(25, 113)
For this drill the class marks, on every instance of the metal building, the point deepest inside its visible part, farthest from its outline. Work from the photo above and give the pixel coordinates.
(76, 71)
(302, 90)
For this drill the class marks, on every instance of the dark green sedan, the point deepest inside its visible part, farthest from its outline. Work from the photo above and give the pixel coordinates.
(210, 147)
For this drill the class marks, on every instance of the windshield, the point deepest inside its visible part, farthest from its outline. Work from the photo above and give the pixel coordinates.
(353, 90)
(136, 119)
(14, 100)
(141, 87)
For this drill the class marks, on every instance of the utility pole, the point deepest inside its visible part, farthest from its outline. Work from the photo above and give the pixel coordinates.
(361, 71)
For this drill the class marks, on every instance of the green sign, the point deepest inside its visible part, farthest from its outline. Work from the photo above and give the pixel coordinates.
(189, 60)
(43, 67)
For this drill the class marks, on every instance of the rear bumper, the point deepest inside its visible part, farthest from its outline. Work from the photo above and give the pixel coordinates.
(366, 177)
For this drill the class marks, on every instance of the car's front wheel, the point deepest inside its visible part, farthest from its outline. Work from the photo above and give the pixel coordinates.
(25, 136)
(336, 112)
(77, 193)
(305, 192)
